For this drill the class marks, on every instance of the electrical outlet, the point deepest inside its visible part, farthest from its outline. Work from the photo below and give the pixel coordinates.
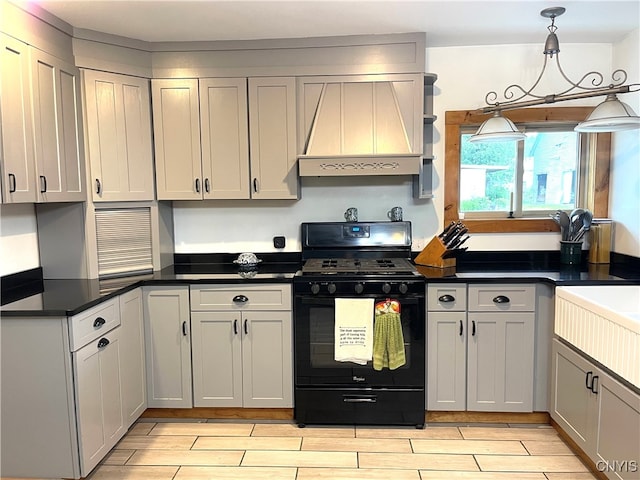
(279, 242)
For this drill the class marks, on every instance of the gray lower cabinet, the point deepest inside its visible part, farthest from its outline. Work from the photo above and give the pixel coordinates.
(168, 346)
(599, 413)
(79, 386)
(480, 347)
(242, 345)
(132, 357)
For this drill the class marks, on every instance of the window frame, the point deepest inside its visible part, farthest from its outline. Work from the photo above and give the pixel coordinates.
(596, 195)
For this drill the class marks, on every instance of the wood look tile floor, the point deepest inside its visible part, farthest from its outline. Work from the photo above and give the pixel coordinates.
(163, 449)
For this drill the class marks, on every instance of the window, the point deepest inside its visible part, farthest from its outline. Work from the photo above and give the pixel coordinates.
(553, 168)
(532, 178)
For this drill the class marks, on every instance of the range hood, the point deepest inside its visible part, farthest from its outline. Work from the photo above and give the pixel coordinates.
(369, 125)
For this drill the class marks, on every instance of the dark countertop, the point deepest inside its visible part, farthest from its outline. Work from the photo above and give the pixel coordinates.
(31, 296)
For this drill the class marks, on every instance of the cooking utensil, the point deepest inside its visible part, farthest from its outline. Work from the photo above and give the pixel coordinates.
(446, 229)
(453, 242)
(565, 222)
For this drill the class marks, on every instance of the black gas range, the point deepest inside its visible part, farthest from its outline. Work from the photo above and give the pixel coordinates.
(362, 263)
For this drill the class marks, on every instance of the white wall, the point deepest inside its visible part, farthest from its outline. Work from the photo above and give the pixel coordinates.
(18, 239)
(624, 192)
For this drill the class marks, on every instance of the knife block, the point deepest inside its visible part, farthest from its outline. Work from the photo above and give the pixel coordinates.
(431, 255)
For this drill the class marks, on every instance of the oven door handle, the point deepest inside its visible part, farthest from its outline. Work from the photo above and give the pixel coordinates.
(360, 399)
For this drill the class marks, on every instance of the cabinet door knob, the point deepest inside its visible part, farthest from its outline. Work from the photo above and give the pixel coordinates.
(447, 298)
(12, 183)
(461, 328)
(184, 329)
(246, 327)
(501, 299)
(235, 326)
(473, 328)
(240, 299)
(98, 322)
(43, 183)
(98, 186)
(594, 384)
(103, 342)
(197, 185)
(256, 186)
(207, 185)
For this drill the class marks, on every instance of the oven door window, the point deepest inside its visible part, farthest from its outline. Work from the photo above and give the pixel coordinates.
(315, 346)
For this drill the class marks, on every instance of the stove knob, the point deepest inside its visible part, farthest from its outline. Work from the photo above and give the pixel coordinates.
(359, 288)
(404, 288)
(386, 288)
(331, 288)
(315, 288)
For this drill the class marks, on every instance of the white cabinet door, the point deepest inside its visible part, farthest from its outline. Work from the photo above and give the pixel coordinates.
(99, 408)
(500, 361)
(18, 161)
(267, 359)
(58, 140)
(168, 346)
(132, 372)
(272, 130)
(217, 359)
(176, 128)
(118, 126)
(225, 137)
(447, 360)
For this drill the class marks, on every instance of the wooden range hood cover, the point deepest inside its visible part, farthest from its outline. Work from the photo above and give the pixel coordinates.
(360, 128)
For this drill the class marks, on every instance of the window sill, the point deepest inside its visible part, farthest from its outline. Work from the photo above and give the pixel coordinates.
(510, 225)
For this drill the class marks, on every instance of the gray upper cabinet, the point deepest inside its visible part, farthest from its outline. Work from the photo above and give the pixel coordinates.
(118, 133)
(225, 138)
(18, 161)
(360, 125)
(58, 140)
(176, 128)
(272, 127)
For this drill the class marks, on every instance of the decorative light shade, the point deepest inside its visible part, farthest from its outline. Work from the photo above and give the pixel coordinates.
(612, 115)
(497, 129)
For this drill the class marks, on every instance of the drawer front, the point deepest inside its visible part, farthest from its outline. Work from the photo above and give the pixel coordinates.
(446, 297)
(91, 324)
(501, 298)
(246, 297)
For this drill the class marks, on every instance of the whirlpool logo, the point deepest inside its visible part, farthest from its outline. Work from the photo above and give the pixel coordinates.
(358, 379)
(620, 466)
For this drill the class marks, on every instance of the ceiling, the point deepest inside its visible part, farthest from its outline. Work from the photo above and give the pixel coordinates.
(446, 22)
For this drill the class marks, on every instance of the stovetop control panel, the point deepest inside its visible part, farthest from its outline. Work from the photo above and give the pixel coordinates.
(351, 288)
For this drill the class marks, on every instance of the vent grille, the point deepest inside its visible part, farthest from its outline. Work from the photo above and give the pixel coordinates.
(124, 242)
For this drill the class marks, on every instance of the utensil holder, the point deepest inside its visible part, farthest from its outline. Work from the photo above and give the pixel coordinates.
(570, 252)
(431, 255)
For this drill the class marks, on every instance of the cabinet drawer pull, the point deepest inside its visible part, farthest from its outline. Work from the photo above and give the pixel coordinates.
(98, 322)
(206, 185)
(359, 399)
(501, 299)
(246, 327)
(98, 186)
(197, 185)
(446, 298)
(235, 326)
(184, 329)
(240, 299)
(586, 380)
(12, 183)
(43, 182)
(103, 342)
(473, 328)
(461, 328)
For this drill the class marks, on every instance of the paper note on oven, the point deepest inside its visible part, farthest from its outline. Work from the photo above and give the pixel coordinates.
(353, 330)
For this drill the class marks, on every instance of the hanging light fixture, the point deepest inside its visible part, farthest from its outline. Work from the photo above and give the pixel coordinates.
(610, 116)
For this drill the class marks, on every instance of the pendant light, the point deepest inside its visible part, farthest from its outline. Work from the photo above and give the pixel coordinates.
(610, 116)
